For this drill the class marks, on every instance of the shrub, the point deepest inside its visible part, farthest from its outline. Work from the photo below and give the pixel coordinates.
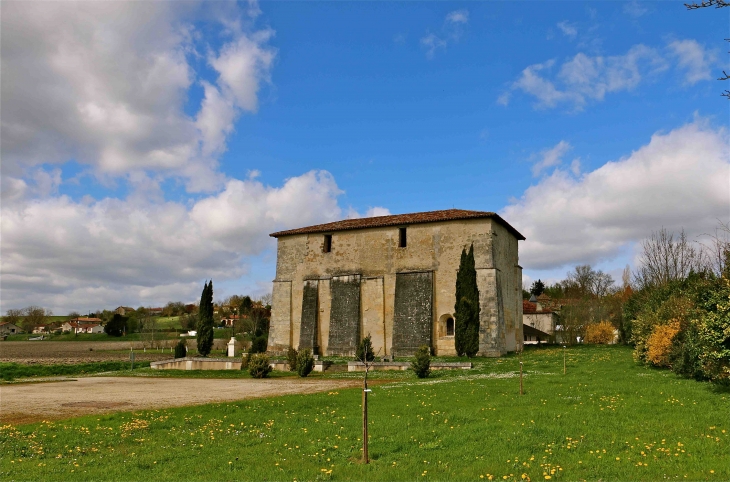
(181, 349)
(365, 350)
(259, 345)
(421, 364)
(305, 363)
(258, 365)
(600, 333)
(659, 343)
(291, 358)
(245, 359)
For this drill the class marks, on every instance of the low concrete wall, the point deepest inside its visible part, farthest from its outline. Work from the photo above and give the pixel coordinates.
(355, 366)
(191, 363)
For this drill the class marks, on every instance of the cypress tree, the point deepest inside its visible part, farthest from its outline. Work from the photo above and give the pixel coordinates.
(205, 320)
(466, 336)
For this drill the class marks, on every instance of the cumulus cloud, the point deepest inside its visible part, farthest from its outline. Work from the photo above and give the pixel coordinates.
(451, 31)
(370, 213)
(584, 77)
(108, 90)
(68, 254)
(693, 59)
(678, 180)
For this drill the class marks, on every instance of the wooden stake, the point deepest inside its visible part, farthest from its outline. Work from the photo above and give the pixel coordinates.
(365, 391)
(521, 391)
(564, 366)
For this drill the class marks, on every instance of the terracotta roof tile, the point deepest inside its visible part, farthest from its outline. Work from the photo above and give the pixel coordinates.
(529, 308)
(399, 220)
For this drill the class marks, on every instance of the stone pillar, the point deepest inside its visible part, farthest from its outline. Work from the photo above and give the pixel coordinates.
(232, 347)
(280, 325)
(491, 314)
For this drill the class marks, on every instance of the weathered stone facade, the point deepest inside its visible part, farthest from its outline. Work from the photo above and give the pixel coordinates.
(403, 297)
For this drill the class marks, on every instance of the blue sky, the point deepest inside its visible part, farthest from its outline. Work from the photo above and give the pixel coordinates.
(154, 129)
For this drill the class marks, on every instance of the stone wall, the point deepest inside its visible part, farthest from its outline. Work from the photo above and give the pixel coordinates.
(413, 321)
(308, 334)
(344, 315)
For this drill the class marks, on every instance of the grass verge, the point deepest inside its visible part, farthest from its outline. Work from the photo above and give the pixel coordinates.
(607, 418)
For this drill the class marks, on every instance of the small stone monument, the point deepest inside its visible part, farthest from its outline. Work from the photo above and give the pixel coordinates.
(232, 347)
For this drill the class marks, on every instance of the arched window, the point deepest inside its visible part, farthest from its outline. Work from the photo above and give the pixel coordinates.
(450, 327)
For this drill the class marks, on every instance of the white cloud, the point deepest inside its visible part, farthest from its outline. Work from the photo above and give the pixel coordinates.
(66, 254)
(586, 77)
(458, 16)
(568, 30)
(551, 157)
(694, 59)
(451, 31)
(634, 9)
(370, 213)
(678, 180)
(108, 87)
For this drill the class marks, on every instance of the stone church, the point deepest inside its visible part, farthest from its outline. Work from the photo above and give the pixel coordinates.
(394, 278)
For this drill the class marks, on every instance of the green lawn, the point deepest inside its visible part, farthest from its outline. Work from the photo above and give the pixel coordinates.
(607, 419)
(12, 371)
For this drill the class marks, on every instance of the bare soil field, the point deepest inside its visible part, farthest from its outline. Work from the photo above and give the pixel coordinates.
(67, 352)
(33, 402)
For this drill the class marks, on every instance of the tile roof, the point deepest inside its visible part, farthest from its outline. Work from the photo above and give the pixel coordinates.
(399, 220)
(529, 308)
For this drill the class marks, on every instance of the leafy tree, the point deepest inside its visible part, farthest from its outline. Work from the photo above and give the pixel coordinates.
(73, 314)
(259, 345)
(117, 326)
(205, 320)
(466, 336)
(538, 288)
(305, 363)
(421, 363)
(364, 350)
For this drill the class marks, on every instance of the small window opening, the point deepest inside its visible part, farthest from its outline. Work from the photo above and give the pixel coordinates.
(327, 243)
(401, 237)
(450, 327)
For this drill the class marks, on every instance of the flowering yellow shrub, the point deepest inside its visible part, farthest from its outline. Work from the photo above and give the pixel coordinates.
(660, 342)
(600, 333)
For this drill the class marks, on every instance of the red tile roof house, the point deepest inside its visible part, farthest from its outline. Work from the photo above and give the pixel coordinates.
(538, 323)
(83, 325)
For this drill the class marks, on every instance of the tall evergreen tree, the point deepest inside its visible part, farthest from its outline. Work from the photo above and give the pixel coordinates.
(466, 336)
(205, 320)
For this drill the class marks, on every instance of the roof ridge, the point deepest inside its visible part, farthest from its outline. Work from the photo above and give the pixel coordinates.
(399, 219)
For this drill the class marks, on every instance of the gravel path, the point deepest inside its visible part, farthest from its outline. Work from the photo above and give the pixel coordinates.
(33, 402)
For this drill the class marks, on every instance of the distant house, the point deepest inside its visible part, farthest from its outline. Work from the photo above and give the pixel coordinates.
(83, 325)
(124, 310)
(155, 311)
(538, 322)
(231, 319)
(8, 328)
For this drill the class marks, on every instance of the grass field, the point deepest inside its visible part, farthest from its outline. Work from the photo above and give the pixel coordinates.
(11, 371)
(607, 419)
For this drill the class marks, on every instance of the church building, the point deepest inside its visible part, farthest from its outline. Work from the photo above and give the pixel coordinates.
(394, 278)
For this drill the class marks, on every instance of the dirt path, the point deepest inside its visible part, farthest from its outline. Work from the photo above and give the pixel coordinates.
(32, 402)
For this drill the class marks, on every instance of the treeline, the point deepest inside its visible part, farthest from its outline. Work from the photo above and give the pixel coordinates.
(674, 308)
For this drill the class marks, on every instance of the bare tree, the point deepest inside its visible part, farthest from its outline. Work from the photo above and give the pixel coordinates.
(34, 316)
(716, 4)
(717, 250)
(14, 316)
(666, 258)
